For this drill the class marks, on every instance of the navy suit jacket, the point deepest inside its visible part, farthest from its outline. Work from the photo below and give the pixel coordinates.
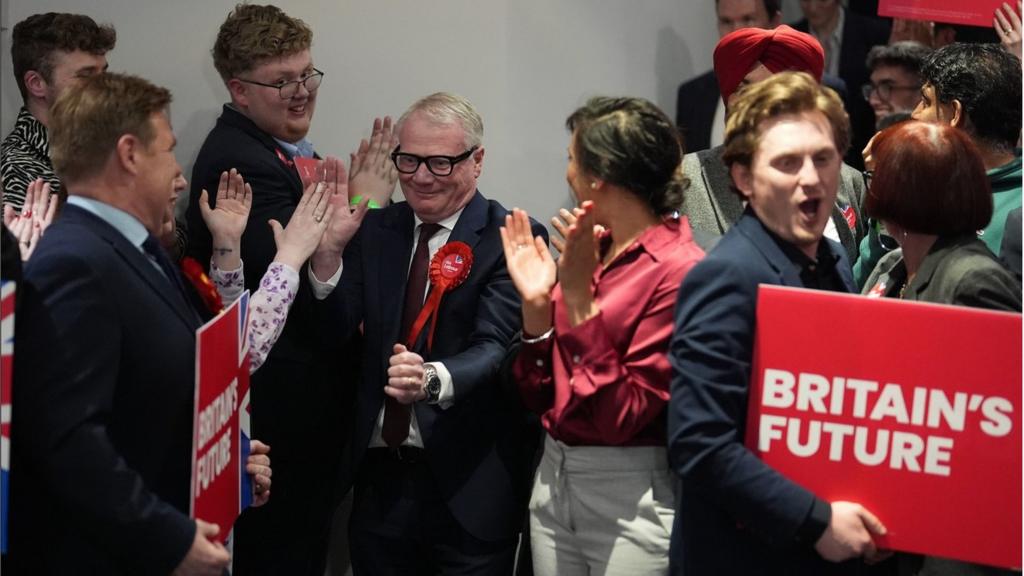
(468, 446)
(736, 514)
(103, 400)
(696, 101)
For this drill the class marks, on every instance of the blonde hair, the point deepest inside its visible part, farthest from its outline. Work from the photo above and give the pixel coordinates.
(448, 108)
(86, 123)
(253, 34)
(781, 94)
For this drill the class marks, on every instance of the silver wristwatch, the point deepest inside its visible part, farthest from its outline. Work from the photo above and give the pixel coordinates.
(431, 384)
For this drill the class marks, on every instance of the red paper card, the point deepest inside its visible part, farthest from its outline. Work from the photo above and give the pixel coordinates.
(973, 13)
(910, 409)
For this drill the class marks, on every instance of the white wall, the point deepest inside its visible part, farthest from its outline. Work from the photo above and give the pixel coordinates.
(525, 64)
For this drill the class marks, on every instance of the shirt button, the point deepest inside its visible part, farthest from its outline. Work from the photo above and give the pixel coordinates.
(540, 362)
(575, 358)
(572, 382)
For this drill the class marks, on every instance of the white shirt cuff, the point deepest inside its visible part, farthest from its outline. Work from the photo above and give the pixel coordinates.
(322, 289)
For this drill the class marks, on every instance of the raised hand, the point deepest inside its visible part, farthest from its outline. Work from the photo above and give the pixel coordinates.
(532, 270)
(314, 213)
(371, 172)
(228, 219)
(1008, 26)
(344, 224)
(577, 264)
(36, 215)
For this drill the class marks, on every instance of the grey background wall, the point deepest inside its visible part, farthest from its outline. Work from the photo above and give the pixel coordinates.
(526, 64)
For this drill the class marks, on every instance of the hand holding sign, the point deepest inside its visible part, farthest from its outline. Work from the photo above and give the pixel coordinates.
(257, 465)
(207, 555)
(849, 534)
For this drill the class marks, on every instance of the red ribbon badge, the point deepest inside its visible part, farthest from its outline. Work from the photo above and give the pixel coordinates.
(449, 268)
(201, 282)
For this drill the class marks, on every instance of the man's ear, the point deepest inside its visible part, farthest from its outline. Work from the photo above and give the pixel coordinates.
(478, 161)
(957, 119)
(742, 179)
(128, 151)
(239, 92)
(35, 84)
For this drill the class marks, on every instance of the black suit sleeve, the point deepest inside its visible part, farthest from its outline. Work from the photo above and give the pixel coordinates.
(498, 319)
(67, 348)
(710, 353)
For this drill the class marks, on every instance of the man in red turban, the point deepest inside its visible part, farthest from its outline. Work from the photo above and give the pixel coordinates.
(752, 54)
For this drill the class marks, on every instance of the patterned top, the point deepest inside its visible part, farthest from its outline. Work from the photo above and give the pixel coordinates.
(25, 156)
(268, 307)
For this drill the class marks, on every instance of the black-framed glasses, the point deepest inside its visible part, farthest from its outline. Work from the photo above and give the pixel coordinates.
(288, 90)
(885, 90)
(438, 165)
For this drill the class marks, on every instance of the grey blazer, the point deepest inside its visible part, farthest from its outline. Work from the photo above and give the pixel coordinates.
(713, 207)
(958, 270)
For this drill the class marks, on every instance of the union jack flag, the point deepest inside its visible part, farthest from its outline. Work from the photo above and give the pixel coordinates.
(6, 361)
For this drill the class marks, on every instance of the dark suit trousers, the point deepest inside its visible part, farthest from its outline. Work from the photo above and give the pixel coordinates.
(401, 525)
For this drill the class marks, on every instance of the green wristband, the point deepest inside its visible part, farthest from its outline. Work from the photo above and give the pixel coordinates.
(356, 200)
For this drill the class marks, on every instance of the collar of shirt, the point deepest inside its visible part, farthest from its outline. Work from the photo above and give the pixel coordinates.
(439, 239)
(129, 226)
(823, 265)
(302, 149)
(32, 131)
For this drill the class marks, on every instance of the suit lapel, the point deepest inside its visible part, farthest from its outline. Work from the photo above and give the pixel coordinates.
(235, 118)
(140, 264)
(752, 228)
(393, 252)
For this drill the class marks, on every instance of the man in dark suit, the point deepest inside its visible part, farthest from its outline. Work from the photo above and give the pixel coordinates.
(736, 514)
(300, 400)
(104, 381)
(847, 37)
(700, 110)
(742, 58)
(435, 444)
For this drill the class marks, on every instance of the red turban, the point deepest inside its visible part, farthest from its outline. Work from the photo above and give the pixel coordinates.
(779, 50)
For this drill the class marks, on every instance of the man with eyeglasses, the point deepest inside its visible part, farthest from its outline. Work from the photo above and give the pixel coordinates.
(299, 398)
(895, 86)
(440, 478)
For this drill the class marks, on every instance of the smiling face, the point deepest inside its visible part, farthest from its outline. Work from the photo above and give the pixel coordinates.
(287, 120)
(793, 178)
(434, 198)
(904, 91)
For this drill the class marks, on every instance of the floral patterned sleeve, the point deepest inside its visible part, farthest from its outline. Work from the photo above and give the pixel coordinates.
(268, 306)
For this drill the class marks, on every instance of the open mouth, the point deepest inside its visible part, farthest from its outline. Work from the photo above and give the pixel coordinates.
(300, 109)
(809, 208)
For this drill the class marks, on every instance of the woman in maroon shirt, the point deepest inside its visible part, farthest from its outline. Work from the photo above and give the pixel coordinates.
(593, 362)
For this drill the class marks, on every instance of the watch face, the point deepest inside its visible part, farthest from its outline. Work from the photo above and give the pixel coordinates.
(434, 385)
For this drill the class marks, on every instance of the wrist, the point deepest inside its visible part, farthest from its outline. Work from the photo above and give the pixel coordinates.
(536, 317)
(289, 258)
(325, 263)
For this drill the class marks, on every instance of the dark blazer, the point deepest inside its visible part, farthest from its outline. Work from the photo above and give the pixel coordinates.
(736, 515)
(103, 400)
(860, 34)
(713, 207)
(300, 402)
(468, 446)
(695, 110)
(958, 270)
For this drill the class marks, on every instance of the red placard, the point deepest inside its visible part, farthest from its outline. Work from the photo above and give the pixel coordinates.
(219, 448)
(973, 13)
(910, 409)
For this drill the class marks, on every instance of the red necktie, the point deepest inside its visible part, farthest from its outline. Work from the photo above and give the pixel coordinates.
(397, 415)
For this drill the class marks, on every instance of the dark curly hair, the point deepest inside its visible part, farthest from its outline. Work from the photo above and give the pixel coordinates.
(252, 34)
(36, 38)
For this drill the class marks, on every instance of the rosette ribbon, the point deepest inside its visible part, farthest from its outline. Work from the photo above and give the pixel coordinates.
(201, 282)
(449, 268)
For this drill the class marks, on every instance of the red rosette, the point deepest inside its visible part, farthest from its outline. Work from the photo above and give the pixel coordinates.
(449, 268)
(201, 282)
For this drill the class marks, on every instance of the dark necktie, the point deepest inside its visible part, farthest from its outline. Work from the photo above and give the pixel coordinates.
(397, 415)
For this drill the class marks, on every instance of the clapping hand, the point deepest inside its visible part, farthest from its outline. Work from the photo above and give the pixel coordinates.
(227, 220)
(577, 264)
(372, 175)
(532, 270)
(36, 215)
(305, 230)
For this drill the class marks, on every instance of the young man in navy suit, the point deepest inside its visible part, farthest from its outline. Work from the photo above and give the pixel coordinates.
(435, 447)
(736, 514)
(104, 384)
